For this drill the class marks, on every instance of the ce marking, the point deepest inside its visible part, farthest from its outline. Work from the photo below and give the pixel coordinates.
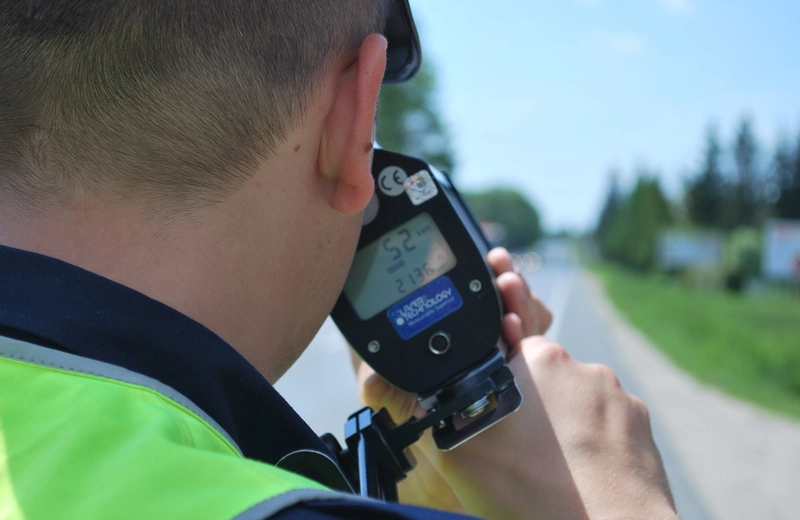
(391, 179)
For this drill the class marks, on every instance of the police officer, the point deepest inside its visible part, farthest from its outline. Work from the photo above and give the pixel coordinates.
(181, 183)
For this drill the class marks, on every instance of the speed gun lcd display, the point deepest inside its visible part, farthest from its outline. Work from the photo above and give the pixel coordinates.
(397, 264)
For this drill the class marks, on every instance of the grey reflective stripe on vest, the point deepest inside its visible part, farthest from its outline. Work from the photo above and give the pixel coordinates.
(29, 353)
(276, 504)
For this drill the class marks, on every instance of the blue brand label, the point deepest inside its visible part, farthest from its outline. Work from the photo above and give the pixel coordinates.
(425, 307)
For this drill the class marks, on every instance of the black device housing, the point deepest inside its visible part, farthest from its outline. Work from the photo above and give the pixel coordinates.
(464, 390)
(474, 330)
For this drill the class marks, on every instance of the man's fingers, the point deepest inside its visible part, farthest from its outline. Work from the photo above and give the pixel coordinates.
(377, 393)
(513, 334)
(536, 318)
(517, 295)
(501, 262)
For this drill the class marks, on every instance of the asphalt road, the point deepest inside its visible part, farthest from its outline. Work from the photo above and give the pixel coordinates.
(582, 329)
(321, 385)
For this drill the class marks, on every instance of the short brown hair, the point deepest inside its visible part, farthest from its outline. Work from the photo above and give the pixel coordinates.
(178, 98)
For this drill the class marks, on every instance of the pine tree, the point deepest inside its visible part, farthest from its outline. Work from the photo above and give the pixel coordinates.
(611, 208)
(743, 192)
(787, 177)
(704, 194)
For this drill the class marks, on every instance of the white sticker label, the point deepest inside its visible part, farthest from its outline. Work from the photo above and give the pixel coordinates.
(420, 187)
(391, 179)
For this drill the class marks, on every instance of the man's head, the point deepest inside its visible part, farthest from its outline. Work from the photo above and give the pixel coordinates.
(175, 100)
(212, 154)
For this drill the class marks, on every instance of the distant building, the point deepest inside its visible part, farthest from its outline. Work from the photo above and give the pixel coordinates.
(681, 249)
(782, 250)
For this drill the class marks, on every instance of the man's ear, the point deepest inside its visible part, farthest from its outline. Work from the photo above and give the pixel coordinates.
(345, 156)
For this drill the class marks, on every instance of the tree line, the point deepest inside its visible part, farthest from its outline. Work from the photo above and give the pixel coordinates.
(747, 191)
(733, 190)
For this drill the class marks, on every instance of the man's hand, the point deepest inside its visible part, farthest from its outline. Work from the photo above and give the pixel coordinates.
(580, 446)
(525, 315)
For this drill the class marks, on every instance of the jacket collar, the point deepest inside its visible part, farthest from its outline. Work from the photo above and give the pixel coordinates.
(57, 305)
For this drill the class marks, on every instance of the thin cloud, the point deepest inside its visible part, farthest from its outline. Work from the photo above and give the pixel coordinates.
(678, 6)
(673, 6)
(622, 43)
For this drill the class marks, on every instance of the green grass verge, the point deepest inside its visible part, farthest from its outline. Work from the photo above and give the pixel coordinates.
(747, 346)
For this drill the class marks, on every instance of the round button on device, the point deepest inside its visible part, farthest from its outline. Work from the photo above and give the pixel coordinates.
(439, 343)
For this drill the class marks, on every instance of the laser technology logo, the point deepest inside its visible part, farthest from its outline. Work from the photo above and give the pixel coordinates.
(427, 306)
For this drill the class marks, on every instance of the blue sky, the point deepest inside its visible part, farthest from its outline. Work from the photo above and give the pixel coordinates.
(548, 96)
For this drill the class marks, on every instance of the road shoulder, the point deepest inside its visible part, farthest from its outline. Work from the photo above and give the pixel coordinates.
(744, 461)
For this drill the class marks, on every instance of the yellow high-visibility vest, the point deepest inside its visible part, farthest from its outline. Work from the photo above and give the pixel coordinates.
(82, 439)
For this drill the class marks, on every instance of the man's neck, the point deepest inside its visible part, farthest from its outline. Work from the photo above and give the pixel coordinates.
(187, 263)
(120, 242)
